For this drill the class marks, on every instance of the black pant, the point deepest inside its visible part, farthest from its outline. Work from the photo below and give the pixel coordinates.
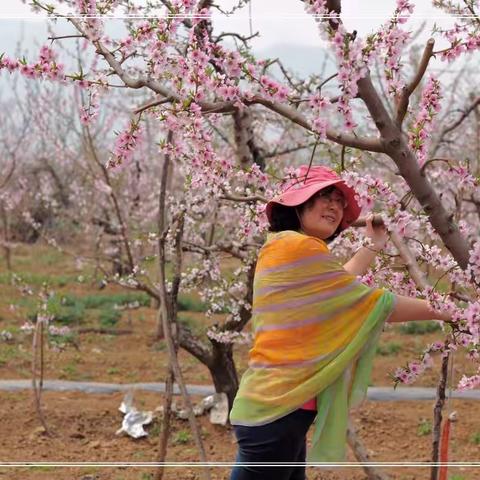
(280, 441)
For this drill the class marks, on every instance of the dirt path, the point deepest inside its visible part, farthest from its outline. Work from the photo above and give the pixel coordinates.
(373, 394)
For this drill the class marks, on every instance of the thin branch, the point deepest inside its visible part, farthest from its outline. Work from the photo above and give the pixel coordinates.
(288, 150)
(331, 77)
(236, 198)
(152, 103)
(407, 91)
(465, 114)
(236, 35)
(432, 160)
(66, 36)
(372, 144)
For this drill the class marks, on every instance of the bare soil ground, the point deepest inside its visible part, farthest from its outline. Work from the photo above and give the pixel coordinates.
(84, 425)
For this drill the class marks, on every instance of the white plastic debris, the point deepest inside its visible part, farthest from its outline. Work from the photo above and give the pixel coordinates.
(219, 411)
(217, 404)
(208, 402)
(134, 420)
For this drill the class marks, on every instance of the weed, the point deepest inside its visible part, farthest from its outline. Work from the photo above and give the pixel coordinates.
(9, 352)
(113, 371)
(456, 477)
(69, 371)
(388, 349)
(35, 279)
(191, 323)
(160, 346)
(182, 437)
(146, 476)
(190, 304)
(109, 317)
(99, 301)
(420, 328)
(156, 429)
(475, 438)
(424, 427)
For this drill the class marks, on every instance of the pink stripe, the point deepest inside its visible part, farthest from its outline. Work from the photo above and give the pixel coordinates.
(280, 287)
(294, 264)
(306, 301)
(309, 321)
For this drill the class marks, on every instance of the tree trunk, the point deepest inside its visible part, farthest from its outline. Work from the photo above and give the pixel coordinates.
(223, 371)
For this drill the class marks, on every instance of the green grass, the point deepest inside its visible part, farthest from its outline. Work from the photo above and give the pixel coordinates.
(388, 349)
(182, 437)
(42, 468)
(37, 280)
(107, 300)
(424, 428)
(73, 310)
(156, 429)
(190, 304)
(69, 371)
(146, 476)
(109, 317)
(191, 323)
(11, 352)
(420, 328)
(475, 438)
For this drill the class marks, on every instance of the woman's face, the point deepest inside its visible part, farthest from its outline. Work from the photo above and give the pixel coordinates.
(322, 215)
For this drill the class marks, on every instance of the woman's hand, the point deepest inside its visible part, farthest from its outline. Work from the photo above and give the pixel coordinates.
(378, 234)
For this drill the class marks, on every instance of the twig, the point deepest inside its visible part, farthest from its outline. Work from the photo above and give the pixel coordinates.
(167, 320)
(37, 351)
(236, 35)
(167, 413)
(437, 414)
(465, 114)
(407, 91)
(362, 456)
(152, 103)
(66, 36)
(251, 198)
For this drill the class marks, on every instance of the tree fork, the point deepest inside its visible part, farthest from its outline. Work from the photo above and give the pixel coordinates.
(396, 148)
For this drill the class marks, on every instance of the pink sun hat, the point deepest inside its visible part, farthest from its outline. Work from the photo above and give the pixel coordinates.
(300, 189)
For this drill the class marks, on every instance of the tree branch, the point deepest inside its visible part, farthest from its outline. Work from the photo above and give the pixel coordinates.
(402, 103)
(465, 114)
(371, 144)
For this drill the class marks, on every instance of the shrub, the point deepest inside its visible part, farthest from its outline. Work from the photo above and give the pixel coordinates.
(387, 349)
(190, 304)
(109, 317)
(420, 328)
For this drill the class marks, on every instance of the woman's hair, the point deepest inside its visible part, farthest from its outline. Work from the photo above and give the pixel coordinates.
(287, 218)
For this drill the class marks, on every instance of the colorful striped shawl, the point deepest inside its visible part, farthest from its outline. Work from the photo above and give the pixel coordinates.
(315, 333)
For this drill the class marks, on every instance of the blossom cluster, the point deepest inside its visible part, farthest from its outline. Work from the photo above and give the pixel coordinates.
(391, 40)
(420, 132)
(125, 145)
(46, 67)
(408, 374)
(229, 336)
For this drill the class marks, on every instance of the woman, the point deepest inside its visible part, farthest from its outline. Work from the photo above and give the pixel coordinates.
(315, 330)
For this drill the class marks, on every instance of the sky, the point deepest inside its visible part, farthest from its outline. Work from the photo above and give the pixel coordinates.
(279, 21)
(285, 29)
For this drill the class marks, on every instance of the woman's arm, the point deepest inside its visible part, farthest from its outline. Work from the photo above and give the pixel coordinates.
(361, 261)
(363, 258)
(409, 309)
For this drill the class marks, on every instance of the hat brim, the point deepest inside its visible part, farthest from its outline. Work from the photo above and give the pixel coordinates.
(296, 196)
